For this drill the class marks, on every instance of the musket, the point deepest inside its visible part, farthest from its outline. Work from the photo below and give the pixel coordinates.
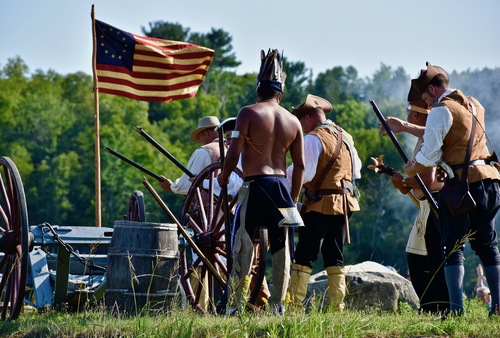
(184, 233)
(164, 151)
(227, 222)
(394, 140)
(380, 168)
(133, 164)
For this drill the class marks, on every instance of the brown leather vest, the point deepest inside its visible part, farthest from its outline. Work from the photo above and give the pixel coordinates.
(213, 149)
(340, 171)
(456, 141)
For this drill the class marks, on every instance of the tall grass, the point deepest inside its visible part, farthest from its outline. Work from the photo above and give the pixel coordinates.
(178, 322)
(174, 321)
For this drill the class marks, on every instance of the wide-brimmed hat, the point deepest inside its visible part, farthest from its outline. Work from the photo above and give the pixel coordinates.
(207, 122)
(312, 102)
(426, 75)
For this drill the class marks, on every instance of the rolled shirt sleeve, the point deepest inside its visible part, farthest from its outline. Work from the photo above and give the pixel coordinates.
(233, 186)
(437, 127)
(198, 161)
(312, 150)
(356, 161)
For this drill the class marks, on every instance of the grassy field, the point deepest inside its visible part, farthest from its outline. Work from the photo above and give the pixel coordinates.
(185, 323)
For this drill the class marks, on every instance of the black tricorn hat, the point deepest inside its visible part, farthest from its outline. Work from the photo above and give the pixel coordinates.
(227, 124)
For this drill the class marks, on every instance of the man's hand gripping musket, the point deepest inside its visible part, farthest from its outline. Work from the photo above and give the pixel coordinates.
(380, 168)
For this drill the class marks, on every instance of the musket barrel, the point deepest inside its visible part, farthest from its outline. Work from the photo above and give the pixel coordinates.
(134, 164)
(163, 151)
(227, 222)
(394, 140)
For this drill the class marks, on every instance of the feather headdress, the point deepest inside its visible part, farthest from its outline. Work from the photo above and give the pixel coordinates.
(271, 74)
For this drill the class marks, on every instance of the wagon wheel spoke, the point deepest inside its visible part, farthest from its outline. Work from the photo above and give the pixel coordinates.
(203, 213)
(201, 210)
(192, 224)
(13, 240)
(220, 264)
(5, 195)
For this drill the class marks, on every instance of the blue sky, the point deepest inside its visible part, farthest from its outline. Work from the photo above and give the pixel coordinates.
(457, 35)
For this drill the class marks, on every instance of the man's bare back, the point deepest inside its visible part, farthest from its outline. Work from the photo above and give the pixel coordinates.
(268, 131)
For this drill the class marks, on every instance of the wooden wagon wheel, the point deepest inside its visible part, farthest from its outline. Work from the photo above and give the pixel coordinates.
(14, 243)
(136, 207)
(203, 213)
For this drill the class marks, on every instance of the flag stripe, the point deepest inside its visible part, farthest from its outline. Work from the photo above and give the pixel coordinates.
(148, 69)
(162, 67)
(150, 91)
(153, 85)
(157, 98)
(143, 77)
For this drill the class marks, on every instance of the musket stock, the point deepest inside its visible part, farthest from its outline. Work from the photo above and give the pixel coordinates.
(380, 168)
(394, 140)
(133, 164)
(164, 151)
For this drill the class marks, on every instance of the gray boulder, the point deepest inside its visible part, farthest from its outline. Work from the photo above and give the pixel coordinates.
(369, 284)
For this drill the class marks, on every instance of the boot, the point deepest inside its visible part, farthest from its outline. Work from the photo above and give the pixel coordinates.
(492, 274)
(454, 280)
(281, 276)
(199, 281)
(242, 266)
(298, 284)
(336, 287)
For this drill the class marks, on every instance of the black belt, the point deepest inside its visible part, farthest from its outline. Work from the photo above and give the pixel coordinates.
(333, 191)
(475, 162)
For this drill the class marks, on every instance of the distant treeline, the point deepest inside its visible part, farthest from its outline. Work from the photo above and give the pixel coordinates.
(47, 129)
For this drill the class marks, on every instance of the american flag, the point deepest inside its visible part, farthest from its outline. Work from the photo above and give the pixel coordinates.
(148, 69)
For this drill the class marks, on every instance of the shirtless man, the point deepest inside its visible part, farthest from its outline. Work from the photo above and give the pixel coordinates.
(264, 134)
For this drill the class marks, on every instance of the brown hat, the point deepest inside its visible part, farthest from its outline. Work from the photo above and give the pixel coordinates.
(207, 122)
(426, 75)
(312, 102)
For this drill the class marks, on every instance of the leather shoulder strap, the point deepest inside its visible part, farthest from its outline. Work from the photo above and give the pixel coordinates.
(471, 139)
(330, 163)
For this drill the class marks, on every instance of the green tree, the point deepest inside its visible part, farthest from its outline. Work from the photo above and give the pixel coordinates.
(298, 77)
(167, 30)
(338, 85)
(221, 42)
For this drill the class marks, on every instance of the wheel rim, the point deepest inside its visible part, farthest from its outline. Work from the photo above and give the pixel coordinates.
(15, 245)
(136, 207)
(203, 213)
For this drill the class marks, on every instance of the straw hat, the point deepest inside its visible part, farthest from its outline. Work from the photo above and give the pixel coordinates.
(207, 122)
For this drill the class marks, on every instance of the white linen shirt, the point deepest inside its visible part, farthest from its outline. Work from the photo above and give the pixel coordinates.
(198, 161)
(437, 127)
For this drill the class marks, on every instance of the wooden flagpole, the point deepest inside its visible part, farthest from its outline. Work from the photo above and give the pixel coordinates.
(96, 127)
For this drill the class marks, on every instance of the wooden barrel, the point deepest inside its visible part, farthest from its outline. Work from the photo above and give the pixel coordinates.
(143, 267)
